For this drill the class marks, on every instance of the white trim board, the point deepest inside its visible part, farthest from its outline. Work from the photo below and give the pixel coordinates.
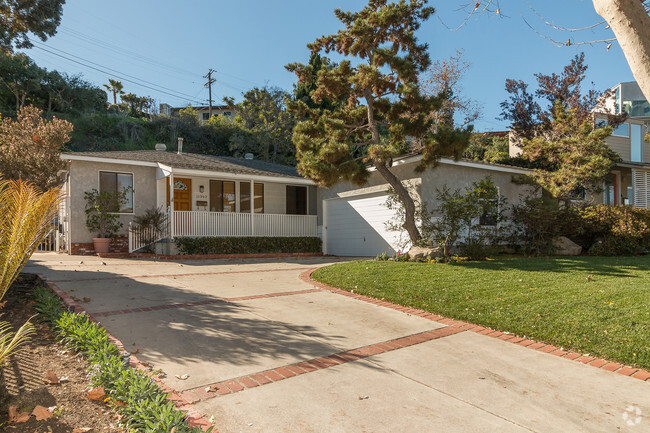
(463, 163)
(190, 172)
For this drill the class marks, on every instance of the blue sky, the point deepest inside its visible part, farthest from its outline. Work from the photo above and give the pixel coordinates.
(172, 44)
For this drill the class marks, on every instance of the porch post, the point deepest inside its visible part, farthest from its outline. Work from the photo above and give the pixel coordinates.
(251, 200)
(171, 205)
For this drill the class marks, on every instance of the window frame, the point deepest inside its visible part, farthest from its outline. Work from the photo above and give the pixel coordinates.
(99, 188)
(234, 182)
(286, 198)
(250, 196)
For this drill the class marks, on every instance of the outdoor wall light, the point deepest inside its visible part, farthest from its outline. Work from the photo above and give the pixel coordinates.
(201, 189)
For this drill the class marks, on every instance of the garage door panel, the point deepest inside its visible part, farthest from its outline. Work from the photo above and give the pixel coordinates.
(357, 227)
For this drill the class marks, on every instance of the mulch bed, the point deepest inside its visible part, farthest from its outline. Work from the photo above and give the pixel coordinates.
(24, 374)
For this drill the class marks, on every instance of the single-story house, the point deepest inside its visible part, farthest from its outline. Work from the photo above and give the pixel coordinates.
(353, 218)
(212, 195)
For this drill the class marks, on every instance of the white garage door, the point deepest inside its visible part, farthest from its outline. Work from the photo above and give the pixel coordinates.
(355, 226)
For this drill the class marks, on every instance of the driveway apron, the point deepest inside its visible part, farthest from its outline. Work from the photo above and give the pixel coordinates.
(265, 351)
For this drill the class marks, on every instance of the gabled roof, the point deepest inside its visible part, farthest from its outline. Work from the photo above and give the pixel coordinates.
(194, 161)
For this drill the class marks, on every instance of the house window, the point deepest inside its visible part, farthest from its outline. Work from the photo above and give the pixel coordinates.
(222, 196)
(636, 143)
(245, 197)
(113, 183)
(622, 130)
(609, 190)
(296, 200)
(489, 215)
(206, 116)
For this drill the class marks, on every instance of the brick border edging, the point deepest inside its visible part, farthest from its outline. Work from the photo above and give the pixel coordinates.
(252, 380)
(204, 256)
(601, 363)
(193, 417)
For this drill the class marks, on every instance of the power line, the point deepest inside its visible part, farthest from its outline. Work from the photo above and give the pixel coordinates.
(178, 95)
(115, 73)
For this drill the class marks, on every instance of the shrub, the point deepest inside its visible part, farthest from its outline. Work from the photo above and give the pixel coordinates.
(143, 406)
(613, 230)
(536, 222)
(249, 245)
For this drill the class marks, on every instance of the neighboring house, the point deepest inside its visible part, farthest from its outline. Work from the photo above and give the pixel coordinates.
(629, 181)
(212, 195)
(354, 218)
(202, 112)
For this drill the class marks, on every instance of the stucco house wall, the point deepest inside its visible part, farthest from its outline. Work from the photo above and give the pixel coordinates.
(84, 176)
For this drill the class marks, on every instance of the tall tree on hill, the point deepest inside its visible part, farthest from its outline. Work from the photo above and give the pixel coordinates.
(384, 110)
(266, 126)
(115, 87)
(18, 18)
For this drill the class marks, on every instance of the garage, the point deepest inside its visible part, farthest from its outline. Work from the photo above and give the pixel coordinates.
(355, 226)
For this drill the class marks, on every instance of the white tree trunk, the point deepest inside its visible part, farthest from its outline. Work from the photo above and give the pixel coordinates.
(630, 23)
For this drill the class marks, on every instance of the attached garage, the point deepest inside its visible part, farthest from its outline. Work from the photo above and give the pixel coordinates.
(355, 226)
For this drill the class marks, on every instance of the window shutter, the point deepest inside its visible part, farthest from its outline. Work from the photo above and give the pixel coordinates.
(641, 180)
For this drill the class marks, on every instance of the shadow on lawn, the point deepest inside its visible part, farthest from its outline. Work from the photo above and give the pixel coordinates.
(607, 266)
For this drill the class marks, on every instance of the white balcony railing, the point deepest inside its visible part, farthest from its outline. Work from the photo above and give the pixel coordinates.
(222, 224)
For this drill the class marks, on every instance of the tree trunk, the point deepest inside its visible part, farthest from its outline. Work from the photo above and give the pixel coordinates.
(406, 199)
(631, 24)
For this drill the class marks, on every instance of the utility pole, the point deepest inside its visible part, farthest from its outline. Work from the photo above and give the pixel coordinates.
(209, 86)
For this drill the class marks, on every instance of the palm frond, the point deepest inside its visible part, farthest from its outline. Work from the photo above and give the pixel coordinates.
(25, 217)
(10, 341)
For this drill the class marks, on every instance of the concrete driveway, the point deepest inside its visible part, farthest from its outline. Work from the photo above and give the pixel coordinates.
(268, 352)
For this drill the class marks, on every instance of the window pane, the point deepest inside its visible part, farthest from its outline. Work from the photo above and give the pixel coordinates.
(635, 140)
(296, 200)
(125, 182)
(228, 196)
(216, 201)
(259, 198)
(107, 182)
(622, 130)
(245, 197)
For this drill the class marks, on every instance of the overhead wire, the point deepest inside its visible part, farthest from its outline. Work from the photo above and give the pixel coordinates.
(117, 74)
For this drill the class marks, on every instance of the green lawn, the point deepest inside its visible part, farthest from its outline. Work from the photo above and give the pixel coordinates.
(596, 305)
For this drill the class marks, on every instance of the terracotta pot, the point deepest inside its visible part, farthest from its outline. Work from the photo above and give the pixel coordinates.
(101, 245)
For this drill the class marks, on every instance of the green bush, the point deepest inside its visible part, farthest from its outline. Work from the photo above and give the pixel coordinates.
(132, 393)
(249, 245)
(613, 230)
(536, 222)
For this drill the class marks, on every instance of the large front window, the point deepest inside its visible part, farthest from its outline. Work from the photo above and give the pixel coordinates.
(245, 197)
(114, 183)
(222, 196)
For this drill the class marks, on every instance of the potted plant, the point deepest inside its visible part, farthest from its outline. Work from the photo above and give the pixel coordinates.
(102, 217)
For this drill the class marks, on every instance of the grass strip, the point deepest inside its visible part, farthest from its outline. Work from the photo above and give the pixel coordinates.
(595, 305)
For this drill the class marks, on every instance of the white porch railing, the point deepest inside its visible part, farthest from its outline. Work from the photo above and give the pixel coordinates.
(223, 224)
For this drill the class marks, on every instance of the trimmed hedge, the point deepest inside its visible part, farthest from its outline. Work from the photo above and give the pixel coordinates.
(249, 245)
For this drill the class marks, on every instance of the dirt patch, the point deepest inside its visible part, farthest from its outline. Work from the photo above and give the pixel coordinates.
(41, 360)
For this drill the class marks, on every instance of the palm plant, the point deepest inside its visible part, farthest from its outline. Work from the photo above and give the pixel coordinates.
(25, 216)
(115, 87)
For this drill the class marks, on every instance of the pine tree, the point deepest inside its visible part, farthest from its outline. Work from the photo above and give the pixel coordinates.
(383, 112)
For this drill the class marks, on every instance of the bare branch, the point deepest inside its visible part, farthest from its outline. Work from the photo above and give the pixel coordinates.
(569, 42)
(550, 24)
(476, 9)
